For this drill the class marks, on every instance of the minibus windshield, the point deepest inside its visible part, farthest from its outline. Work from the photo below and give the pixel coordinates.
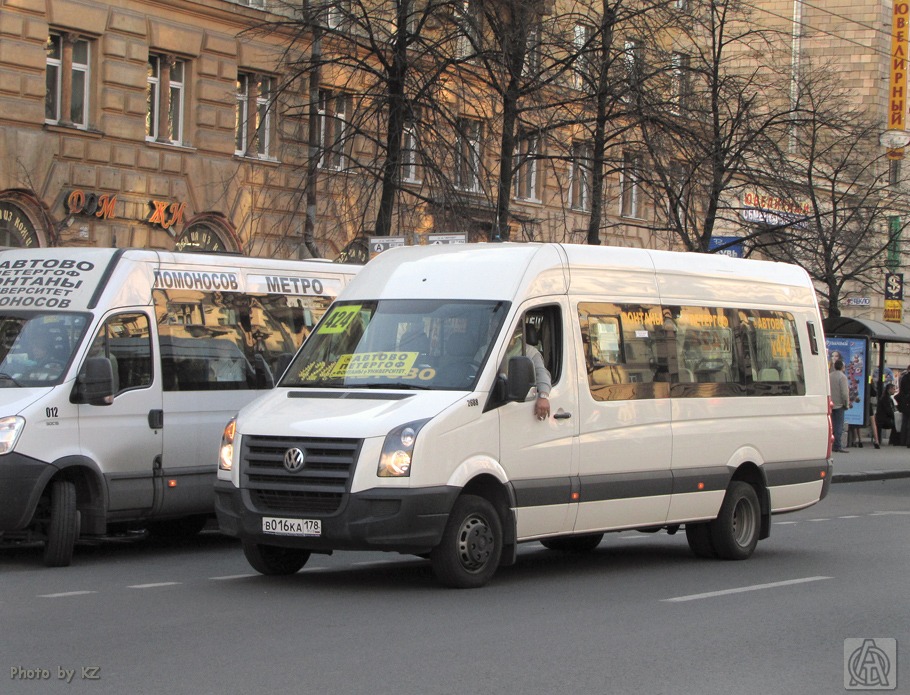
(399, 344)
(35, 349)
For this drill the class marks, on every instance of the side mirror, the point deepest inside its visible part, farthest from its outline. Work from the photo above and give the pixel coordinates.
(95, 383)
(521, 377)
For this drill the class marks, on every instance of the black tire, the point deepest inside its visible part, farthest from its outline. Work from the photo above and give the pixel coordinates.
(699, 538)
(274, 560)
(471, 545)
(737, 527)
(574, 544)
(177, 529)
(62, 527)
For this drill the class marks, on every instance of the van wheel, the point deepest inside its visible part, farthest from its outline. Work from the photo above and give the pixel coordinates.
(62, 527)
(273, 560)
(468, 555)
(574, 544)
(699, 537)
(184, 527)
(735, 531)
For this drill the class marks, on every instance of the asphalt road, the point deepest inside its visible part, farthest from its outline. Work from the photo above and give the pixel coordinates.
(639, 615)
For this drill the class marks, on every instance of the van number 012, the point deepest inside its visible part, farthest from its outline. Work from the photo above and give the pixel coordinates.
(51, 413)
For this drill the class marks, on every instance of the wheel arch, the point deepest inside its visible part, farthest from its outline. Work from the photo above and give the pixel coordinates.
(91, 492)
(502, 497)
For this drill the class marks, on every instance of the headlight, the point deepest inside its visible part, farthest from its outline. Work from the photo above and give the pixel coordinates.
(10, 429)
(226, 454)
(395, 461)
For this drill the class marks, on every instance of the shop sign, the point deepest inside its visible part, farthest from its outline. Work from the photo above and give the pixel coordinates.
(761, 208)
(78, 202)
(165, 214)
(897, 95)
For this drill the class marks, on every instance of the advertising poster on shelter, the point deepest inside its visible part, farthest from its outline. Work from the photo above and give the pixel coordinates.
(853, 353)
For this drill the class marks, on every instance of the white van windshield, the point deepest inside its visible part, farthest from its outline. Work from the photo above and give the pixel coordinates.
(35, 349)
(401, 343)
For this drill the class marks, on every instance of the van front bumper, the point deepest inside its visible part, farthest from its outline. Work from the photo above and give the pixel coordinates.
(399, 519)
(22, 479)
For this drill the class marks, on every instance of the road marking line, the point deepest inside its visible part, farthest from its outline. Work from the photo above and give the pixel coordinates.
(67, 593)
(785, 523)
(819, 519)
(888, 513)
(742, 589)
(849, 516)
(232, 576)
(153, 586)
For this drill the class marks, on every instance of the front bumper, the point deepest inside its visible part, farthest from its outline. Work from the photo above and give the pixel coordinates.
(22, 480)
(400, 519)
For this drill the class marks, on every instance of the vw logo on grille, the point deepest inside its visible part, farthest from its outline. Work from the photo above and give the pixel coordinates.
(294, 460)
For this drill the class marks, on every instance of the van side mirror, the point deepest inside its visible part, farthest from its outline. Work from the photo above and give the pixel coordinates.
(521, 378)
(95, 383)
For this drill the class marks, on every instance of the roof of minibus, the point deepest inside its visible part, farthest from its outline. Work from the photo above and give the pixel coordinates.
(509, 270)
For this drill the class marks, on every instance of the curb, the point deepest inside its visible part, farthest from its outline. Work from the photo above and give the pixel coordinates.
(867, 476)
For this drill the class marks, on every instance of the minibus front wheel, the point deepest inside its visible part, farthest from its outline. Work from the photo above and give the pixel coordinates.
(273, 560)
(60, 521)
(471, 545)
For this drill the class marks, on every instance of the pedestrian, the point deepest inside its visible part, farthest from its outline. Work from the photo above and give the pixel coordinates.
(840, 397)
(884, 412)
(903, 406)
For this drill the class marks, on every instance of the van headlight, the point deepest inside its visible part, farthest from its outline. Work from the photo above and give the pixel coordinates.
(226, 453)
(397, 450)
(10, 429)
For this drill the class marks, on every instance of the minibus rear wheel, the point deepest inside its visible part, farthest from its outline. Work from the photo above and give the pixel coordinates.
(62, 525)
(273, 560)
(471, 545)
(735, 531)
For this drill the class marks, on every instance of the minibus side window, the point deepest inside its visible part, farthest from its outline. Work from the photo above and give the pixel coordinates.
(708, 352)
(773, 347)
(215, 341)
(629, 350)
(125, 340)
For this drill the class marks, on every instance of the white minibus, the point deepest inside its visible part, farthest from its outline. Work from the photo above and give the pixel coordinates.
(685, 391)
(118, 370)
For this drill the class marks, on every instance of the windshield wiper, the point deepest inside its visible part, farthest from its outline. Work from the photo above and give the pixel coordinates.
(6, 377)
(393, 385)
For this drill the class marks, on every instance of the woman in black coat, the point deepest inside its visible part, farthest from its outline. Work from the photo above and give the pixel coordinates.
(884, 411)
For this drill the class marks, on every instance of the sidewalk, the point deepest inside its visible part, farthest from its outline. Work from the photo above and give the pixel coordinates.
(859, 465)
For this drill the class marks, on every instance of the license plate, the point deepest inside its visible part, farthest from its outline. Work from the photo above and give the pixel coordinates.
(291, 527)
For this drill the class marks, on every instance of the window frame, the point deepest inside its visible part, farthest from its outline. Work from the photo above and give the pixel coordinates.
(580, 176)
(469, 153)
(527, 168)
(156, 85)
(630, 185)
(58, 66)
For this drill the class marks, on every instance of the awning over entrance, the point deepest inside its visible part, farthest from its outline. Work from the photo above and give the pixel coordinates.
(879, 331)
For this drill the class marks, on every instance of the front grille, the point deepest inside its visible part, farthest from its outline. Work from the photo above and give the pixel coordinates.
(318, 488)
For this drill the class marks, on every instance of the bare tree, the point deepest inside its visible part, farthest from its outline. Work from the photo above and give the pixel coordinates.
(855, 208)
(707, 122)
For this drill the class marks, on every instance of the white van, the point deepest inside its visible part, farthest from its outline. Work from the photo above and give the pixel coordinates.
(685, 389)
(118, 370)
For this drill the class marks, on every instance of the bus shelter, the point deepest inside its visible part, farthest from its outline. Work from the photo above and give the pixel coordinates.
(855, 340)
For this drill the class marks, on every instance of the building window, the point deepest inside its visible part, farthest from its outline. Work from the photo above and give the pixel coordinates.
(66, 98)
(679, 83)
(253, 135)
(580, 186)
(468, 149)
(527, 163)
(633, 62)
(254, 3)
(338, 15)
(410, 172)
(469, 33)
(630, 183)
(584, 61)
(534, 53)
(165, 99)
(333, 110)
